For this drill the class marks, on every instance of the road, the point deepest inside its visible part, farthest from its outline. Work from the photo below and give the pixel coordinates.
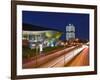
(64, 59)
(42, 60)
(81, 60)
(57, 59)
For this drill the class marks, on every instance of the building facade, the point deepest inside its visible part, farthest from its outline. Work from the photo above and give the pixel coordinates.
(70, 32)
(36, 36)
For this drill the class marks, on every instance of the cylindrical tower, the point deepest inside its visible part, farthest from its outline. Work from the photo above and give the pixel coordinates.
(70, 32)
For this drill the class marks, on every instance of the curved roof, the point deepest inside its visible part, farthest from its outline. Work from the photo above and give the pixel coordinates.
(29, 27)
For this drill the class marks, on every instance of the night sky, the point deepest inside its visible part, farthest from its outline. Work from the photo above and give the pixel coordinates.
(59, 21)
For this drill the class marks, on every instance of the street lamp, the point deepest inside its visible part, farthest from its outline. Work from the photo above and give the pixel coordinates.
(64, 55)
(36, 52)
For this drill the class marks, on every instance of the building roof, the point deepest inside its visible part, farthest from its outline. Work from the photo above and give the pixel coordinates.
(30, 27)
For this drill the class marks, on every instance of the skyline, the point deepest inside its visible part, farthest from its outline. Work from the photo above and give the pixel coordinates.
(59, 21)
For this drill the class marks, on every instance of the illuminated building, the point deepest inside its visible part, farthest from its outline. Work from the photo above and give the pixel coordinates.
(70, 32)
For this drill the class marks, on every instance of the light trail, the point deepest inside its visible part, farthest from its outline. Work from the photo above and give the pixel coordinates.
(59, 62)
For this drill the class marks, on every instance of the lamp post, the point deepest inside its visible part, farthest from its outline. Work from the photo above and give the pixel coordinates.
(36, 53)
(64, 55)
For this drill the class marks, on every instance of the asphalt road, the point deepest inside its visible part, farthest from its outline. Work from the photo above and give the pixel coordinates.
(82, 59)
(42, 60)
(57, 59)
(64, 59)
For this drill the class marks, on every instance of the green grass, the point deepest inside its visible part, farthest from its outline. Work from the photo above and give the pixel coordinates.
(27, 52)
(48, 49)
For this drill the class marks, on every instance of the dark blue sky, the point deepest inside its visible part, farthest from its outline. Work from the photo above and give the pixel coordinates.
(59, 21)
